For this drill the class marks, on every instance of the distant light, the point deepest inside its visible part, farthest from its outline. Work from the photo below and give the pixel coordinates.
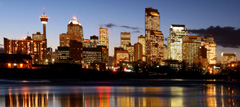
(25, 81)
(125, 69)
(15, 64)
(9, 65)
(114, 69)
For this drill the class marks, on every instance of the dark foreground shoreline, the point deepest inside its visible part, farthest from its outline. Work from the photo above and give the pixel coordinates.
(85, 77)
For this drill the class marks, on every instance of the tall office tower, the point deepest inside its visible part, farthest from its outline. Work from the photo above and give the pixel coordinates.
(175, 41)
(138, 53)
(208, 42)
(154, 37)
(103, 39)
(130, 49)
(165, 52)
(152, 21)
(75, 29)
(76, 51)
(155, 48)
(74, 32)
(94, 41)
(190, 49)
(35, 46)
(125, 39)
(201, 62)
(227, 58)
(142, 40)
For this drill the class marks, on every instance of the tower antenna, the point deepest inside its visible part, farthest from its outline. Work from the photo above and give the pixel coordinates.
(43, 10)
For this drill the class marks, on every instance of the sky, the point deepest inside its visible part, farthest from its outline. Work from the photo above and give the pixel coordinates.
(19, 18)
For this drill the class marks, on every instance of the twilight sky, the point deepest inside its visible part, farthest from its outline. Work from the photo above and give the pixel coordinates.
(19, 17)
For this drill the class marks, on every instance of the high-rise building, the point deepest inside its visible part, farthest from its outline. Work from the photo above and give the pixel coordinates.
(227, 58)
(130, 49)
(122, 56)
(75, 29)
(190, 49)
(125, 39)
(94, 41)
(76, 51)
(94, 55)
(74, 32)
(103, 39)
(201, 62)
(138, 53)
(154, 37)
(175, 41)
(104, 54)
(152, 20)
(211, 46)
(155, 48)
(142, 40)
(63, 55)
(165, 52)
(116, 49)
(49, 55)
(35, 47)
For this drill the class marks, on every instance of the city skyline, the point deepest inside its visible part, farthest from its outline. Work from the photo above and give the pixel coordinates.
(28, 20)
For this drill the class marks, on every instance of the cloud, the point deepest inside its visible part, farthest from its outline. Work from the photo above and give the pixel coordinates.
(110, 25)
(224, 36)
(135, 29)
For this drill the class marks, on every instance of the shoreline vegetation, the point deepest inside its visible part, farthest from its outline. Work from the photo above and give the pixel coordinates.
(77, 73)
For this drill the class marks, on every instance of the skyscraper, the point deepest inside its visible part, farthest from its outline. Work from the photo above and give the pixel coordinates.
(142, 40)
(154, 37)
(208, 42)
(103, 39)
(75, 29)
(130, 49)
(74, 32)
(125, 39)
(175, 41)
(138, 53)
(190, 49)
(152, 20)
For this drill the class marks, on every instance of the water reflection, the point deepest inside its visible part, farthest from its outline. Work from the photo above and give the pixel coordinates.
(76, 96)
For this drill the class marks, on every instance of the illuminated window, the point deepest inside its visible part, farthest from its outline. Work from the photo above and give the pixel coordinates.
(9, 65)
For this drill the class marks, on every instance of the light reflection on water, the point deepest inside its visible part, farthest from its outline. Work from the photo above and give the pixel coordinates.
(112, 96)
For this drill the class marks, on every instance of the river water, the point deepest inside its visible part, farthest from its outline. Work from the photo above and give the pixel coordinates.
(18, 94)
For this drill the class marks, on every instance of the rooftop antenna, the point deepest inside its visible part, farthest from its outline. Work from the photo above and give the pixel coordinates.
(43, 10)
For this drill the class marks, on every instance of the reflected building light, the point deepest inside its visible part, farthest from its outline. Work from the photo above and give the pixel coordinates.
(177, 101)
